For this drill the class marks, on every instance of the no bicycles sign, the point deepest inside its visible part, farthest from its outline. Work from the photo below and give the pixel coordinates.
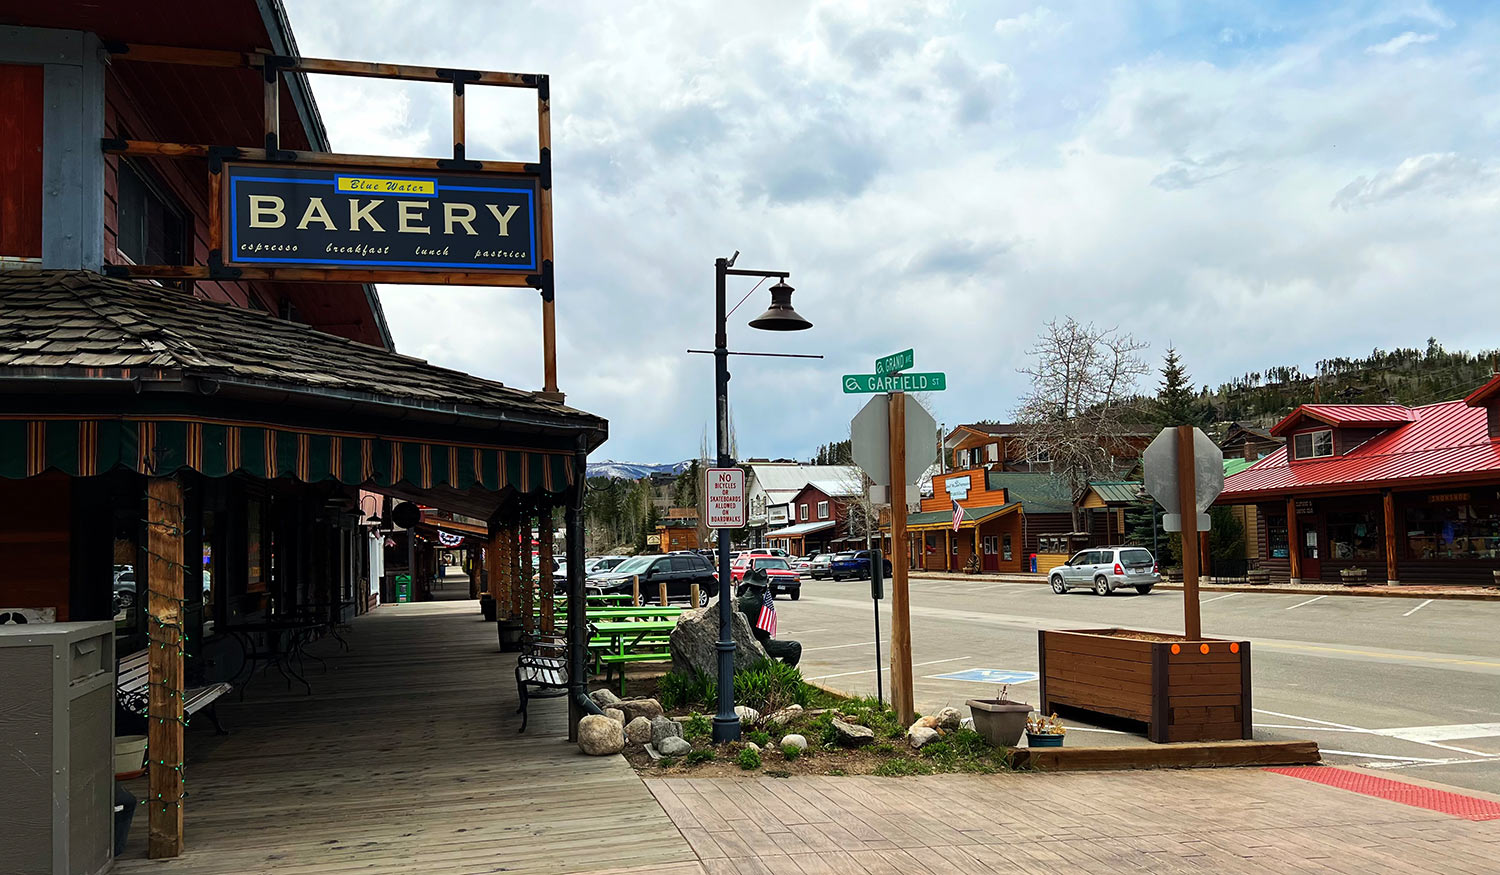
(725, 498)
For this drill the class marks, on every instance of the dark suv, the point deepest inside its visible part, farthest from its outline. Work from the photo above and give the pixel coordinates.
(679, 571)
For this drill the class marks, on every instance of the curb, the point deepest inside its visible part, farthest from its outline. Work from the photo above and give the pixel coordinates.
(1198, 755)
(1398, 592)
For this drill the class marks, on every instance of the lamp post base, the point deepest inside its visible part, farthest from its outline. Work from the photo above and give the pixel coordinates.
(726, 728)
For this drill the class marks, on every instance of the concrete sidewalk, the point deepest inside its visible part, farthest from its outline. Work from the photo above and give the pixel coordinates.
(1222, 821)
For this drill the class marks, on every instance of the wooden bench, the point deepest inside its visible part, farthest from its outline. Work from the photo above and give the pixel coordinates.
(541, 670)
(131, 685)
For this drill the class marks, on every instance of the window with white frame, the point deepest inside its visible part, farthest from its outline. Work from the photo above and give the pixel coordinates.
(1313, 444)
(802, 513)
(992, 452)
(822, 510)
(963, 458)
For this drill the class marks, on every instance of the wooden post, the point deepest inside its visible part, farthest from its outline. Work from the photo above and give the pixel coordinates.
(948, 550)
(1205, 557)
(458, 120)
(498, 558)
(1187, 498)
(544, 202)
(164, 715)
(693, 594)
(544, 584)
(474, 575)
(1293, 538)
(978, 557)
(662, 588)
(901, 680)
(1392, 576)
(527, 580)
(635, 590)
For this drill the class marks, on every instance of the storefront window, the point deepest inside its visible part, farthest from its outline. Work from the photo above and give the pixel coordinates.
(1453, 527)
(1276, 538)
(1354, 535)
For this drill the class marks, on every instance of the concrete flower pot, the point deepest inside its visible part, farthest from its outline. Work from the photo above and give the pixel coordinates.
(1000, 721)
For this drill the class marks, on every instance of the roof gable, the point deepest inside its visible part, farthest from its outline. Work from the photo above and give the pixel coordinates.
(1485, 395)
(1344, 416)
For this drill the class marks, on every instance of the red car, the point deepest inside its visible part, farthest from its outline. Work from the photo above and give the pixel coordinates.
(783, 578)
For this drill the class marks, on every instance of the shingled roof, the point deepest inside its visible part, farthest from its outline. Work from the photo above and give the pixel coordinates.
(80, 323)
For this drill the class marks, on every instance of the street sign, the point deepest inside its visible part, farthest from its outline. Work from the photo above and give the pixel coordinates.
(870, 440)
(895, 362)
(1172, 522)
(855, 384)
(725, 498)
(1160, 462)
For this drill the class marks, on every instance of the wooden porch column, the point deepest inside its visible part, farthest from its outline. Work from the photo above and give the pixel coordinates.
(1294, 544)
(497, 557)
(947, 550)
(1392, 575)
(164, 717)
(978, 557)
(473, 570)
(544, 585)
(527, 580)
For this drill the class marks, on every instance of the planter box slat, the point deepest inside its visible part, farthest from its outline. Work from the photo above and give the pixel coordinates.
(1206, 701)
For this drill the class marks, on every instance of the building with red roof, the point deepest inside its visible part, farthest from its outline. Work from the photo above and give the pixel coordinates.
(1408, 493)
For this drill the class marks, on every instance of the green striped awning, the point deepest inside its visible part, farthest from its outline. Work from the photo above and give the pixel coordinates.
(83, 447)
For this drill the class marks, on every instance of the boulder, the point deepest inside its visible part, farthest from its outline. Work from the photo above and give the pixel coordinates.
(920, 735)
(966, 723)
(785, 715)
(752, 746)
(795, 740)
(748, 715)
(638, 731)
(600, 736)
(616, 715)
(694, 644)
(634, 708)
(663, 728)
(674, 746)
(925, 723)
(851, 734)
(604, 697)
(949, 719)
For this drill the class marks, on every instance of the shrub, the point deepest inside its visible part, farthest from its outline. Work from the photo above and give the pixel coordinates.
(759, 737)
(666, 762)
(837, 773)
(701, 755)
(766, 686)
(681, 689)
(697, 726)
(900, 767)
(748, 759)
(791, 751)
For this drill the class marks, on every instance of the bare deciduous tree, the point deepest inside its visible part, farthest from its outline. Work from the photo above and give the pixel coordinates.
(1075, 411)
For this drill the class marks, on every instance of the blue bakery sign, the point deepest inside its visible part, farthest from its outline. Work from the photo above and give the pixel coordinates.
(280, 216)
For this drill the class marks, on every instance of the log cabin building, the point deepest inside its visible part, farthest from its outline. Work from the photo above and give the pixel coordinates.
(1409, 494)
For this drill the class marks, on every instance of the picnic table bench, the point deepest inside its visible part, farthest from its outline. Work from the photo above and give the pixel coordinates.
(132, 685)
(617, 642)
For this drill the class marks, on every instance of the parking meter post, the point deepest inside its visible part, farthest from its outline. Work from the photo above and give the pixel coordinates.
(1187, 498)
(877, 592)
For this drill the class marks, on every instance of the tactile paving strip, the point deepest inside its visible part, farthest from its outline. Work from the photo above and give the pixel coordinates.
(1456, 804)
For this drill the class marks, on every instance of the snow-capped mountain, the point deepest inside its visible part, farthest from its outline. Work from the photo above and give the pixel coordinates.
(634, 470)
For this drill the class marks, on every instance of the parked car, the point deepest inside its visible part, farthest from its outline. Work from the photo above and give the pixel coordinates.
(782, 577)
(855, 564)
(765, 551)
(679, 571)
(800, 564)
(124, 587)
(595, 564)
(817, 567)
(1106, 569)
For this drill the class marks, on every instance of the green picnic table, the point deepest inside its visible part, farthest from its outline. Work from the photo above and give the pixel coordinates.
(625, 641)
(622, 613)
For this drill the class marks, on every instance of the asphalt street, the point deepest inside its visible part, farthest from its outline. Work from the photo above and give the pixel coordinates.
(1392, 683)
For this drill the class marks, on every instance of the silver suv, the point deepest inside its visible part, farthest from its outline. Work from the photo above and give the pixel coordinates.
(1106, 569)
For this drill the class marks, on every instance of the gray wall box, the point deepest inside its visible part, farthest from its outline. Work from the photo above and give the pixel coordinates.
(57, 683)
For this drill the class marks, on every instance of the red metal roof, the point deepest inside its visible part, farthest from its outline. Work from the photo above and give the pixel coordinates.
(1485, 394)
(1342, 415)
(1441, 441)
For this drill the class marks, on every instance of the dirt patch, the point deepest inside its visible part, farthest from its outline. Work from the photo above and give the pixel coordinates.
(1144, 636)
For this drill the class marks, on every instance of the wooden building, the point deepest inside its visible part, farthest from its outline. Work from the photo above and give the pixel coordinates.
(821, 514)
(1409, 494)
(679, 530)
(1003, 447)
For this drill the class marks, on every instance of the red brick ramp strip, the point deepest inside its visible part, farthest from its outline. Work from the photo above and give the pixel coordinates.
(1430, 798)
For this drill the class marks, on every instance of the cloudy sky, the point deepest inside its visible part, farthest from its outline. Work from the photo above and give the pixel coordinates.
(1256, 182)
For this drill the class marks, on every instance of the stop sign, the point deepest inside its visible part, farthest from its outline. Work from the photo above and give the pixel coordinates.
(1160, 462)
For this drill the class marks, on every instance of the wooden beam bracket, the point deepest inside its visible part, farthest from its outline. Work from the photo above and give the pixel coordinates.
(543, 281)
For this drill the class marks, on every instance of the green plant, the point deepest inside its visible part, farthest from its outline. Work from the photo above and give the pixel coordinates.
(759, 737)
(882, 748)
(697, 726)
(964, 751)
(770, 685)
(666, 762)
(777, 773)
(791, 751)
(837, 773)
(702, 755)
(748, 759)
(901, 766)
(680, 689)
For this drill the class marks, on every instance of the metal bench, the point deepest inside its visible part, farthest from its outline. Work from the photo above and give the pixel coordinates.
(133, 689)
(541, 670)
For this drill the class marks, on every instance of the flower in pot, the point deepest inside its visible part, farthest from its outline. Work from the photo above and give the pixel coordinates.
(999, 720)
(1044, 731)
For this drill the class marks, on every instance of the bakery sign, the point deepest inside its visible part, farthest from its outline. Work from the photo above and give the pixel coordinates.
(281, 216)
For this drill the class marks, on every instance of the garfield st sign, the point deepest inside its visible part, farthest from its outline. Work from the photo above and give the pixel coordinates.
(360, 218)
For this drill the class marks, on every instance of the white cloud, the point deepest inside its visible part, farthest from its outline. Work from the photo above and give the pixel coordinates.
(1394, 45)
(1040, 20)
(1447, 174)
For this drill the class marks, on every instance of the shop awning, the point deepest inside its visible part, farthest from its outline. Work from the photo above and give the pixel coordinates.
(943, 519)
(800, 529)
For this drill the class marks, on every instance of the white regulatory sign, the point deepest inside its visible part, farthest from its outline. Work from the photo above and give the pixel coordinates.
(726, 498)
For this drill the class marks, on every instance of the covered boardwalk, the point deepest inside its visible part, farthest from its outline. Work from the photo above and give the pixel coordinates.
(406, 758)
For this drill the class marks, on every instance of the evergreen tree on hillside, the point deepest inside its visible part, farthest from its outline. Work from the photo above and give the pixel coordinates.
(1176, 402)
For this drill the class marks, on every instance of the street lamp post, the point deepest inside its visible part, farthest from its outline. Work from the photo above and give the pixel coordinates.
(779, 317)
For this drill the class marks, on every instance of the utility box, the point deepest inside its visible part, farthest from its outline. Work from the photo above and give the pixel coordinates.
(57, 686)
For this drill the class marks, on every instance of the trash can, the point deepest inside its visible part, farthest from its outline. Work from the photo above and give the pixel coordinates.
(1033, 563)
(403, 588)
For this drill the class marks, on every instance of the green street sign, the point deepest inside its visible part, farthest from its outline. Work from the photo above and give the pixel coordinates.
(900, 361)
(855, 384)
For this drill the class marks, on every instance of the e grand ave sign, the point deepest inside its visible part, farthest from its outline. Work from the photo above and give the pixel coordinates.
(346, 217)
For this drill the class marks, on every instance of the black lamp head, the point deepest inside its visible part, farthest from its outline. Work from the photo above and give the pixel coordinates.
(780, 316)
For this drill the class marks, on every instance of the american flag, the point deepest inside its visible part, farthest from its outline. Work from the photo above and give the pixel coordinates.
(958, 515)
(766, 621)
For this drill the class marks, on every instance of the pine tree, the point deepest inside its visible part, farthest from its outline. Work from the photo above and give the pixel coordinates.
(1176, 402)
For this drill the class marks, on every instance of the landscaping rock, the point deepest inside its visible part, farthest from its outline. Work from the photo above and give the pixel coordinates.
(638, 731)
(604, 698)
(616, 715)
(785, 715)
(634, 708)
(747, 714)
(663, 728)
(920, 735)
(673, 746)
(949, 719)
(924, 723)
(795, 740)
(695, 639)
(852, 735)
(966, 723)
(600, 736)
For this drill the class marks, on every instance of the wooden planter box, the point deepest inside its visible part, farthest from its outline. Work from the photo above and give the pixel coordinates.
(1189, 695)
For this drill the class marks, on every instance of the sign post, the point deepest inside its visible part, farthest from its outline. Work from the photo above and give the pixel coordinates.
(877, 592)
(1184, 472)
(901, 691)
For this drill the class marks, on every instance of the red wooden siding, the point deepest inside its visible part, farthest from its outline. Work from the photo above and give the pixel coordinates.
(21, 160)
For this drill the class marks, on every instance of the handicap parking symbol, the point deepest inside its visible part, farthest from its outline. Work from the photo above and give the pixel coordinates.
(989, 676)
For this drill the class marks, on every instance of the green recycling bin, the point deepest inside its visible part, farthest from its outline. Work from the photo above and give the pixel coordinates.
(403, 588)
